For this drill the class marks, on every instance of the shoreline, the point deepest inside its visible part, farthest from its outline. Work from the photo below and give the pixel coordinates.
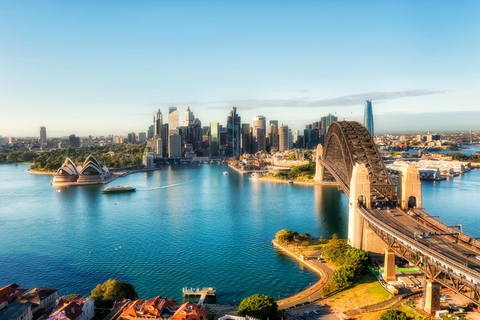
(311, 293)
(113, 177)
(298, 182)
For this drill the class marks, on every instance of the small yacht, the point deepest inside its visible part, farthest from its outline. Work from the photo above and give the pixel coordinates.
(225, 173)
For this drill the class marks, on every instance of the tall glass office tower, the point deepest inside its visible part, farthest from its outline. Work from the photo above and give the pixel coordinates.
(368, 117)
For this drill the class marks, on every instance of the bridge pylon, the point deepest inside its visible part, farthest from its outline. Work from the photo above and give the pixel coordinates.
(319, 168)
(409, 187)
(359, 196)
(432, 299)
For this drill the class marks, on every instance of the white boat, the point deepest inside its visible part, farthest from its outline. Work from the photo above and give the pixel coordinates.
(225, 173)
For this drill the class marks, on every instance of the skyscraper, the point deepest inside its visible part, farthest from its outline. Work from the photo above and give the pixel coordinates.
(173, 120)
(233, 134)
(158, 135)
(259, 132)
(274, 135)
(189, 118)
(368, 117)
(246, 139)
(214, 139)
(325, 123)
(283, 138)
(43, 136)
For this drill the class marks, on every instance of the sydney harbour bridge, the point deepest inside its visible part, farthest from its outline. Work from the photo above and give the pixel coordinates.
(387, 217)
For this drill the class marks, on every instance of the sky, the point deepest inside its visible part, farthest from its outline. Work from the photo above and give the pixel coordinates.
(105, 67)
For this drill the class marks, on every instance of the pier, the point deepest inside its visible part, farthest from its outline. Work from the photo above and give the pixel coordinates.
(203, 293)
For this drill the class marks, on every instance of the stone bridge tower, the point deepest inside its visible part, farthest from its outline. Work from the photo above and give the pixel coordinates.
(409, 188)
(359, 196)
(319, 168)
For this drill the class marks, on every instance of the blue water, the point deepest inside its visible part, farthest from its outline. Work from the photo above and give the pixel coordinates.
(185, 226)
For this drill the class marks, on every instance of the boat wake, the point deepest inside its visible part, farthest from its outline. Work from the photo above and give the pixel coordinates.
(164, 187)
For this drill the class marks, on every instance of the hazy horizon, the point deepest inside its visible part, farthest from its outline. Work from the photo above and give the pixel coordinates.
(90, 68)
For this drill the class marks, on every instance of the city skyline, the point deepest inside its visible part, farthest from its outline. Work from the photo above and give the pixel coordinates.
(415, 61)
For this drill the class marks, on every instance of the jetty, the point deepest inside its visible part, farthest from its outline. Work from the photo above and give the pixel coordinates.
(203, 293)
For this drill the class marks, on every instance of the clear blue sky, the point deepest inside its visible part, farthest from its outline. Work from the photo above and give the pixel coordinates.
(104, 67)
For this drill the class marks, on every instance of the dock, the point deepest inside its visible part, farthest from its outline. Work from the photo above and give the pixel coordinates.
(203, 293)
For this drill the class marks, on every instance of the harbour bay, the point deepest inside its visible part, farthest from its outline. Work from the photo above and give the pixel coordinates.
(185, 226)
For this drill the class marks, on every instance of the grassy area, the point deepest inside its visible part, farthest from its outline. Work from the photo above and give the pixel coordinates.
(365, 292)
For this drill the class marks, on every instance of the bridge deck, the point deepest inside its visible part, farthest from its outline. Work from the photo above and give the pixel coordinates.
(416, 228)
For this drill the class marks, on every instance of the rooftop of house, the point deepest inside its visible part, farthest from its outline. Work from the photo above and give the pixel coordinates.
(37, 295)
(10, 292)
(14, 310)
(190, 311)
(152, 308)
(71, 309)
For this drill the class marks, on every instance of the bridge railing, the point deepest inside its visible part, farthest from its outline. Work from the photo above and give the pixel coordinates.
(448, 263)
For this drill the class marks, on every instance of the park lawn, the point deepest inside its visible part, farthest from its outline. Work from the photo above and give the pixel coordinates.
(411, 312)
(364, 292)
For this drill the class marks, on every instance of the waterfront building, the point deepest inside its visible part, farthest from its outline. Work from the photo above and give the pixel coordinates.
(368, 117)
(151, 309)
(142, 137)
(43, 136)
(74, 309)
(233, 134)
(190, 311)
(214, 139)
(8, 294)
(91, 172)
(17, 311)
(283, 138)
(43, 300)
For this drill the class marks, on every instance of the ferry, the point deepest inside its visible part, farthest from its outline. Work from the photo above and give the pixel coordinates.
(118, 189)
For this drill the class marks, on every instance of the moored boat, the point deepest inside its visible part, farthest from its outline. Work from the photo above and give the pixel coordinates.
(118, 189)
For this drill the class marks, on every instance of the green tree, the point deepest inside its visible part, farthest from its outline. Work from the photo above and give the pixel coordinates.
(113, 290)
(394, 315)
(259, 306)
(344, 275)
(284, 236)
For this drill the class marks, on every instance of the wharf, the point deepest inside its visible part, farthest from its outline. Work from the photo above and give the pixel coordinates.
(203, 293)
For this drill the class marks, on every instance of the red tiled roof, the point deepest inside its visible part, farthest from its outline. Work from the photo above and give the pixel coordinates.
(70, 309)
(190, 311)
(10, 292)
(152, 308)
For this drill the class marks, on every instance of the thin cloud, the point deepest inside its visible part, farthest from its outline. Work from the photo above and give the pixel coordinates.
(342, 101)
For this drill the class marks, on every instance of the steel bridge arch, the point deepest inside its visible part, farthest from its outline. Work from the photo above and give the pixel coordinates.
(348, 143)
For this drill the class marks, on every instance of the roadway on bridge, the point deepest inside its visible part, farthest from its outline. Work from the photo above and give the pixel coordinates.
(414, 228)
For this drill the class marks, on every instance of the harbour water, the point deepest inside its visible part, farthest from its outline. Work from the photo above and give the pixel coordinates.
(184, 226)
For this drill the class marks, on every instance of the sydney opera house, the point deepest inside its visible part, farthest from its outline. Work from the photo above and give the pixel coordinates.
(91, 172)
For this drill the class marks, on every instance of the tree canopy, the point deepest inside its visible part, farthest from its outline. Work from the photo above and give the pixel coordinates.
(394, 315)
(284, 236)
(113, 290)
(260, 307)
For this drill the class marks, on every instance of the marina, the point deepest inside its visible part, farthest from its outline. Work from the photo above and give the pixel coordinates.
(202, 293)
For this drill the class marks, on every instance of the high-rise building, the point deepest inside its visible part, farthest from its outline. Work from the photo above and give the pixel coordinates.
(157, 124)
(325, 124)
(246, 139)
(142, 137)
(233, 134)
(274, 135)
(368, 117)
(214, 139)
(131, 137)
(150, 132)
(296, 134)
(283, 138)
(74, 141)
(173, 121)
(43, 136)
(189, 118)
(259, 131)
(175, 146)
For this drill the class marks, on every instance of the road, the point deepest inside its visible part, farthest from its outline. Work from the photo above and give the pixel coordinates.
(415, 227)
